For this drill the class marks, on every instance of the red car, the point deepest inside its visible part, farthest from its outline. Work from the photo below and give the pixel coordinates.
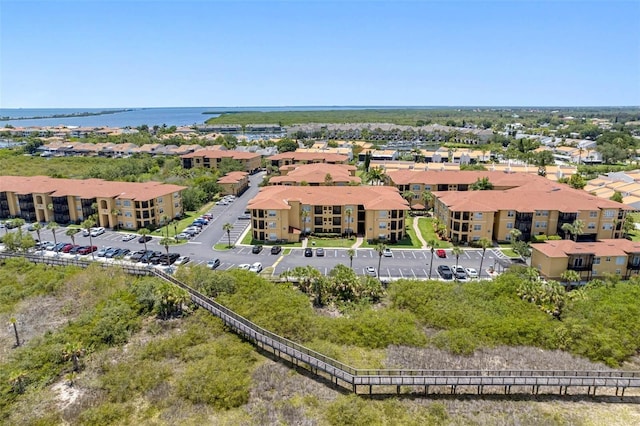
(66, 248)
(87, 249)
(441, 253)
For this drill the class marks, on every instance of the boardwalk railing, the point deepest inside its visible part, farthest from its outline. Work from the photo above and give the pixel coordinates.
(347, 376)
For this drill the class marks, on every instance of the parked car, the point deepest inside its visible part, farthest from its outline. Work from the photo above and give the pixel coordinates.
(256, 249)
(183, 236)
(213, 263)
(58, 247)
(276, 250)
(137, 255)
(144, 239)
(244, 266)
(165, 259)
(320, 252)
(222, 203)
(256, 267)
(122, 252)
(75, 249)
(371, 271)
(387, 252)
(208, 216)
(308, 252)
(458, 272)
(128, 237)
(97, 231)
(48, 245)
(244, 216)
(67, 248)
(445, 272)
(471, 272)
(103, 251)
(441, 253)
(149, 256)
(111, 252)
(182, 260)
(87, 250)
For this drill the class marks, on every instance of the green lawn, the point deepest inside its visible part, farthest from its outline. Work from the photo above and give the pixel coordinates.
(425, 224)
(331, 242)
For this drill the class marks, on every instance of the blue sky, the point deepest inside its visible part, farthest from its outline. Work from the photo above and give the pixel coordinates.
(99, 53)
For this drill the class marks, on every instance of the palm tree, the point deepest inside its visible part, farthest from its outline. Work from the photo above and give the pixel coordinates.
(165, 242)
(375, 176)
(71, 233)
(481, 184)
(52, 226)
(88, 224)
(380, 248)
(349, 213)
(432, 244)
(409, 196)
(227, 227)
(570, 276)
(456, 251)
(578, 229)
(37, 227)
(115, 212)
(144, 232)
(303, 220)
(567, 228)
(485, 244)
(427, 198)
(351, 252)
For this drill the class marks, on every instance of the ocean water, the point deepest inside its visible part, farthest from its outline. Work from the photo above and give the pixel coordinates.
(134, 117)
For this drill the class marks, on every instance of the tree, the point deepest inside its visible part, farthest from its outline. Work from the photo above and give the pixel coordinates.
(617, 197)
(375, 176)
(427, 198)
(628, 225)
(432, 244)
(73, 351)
(567, 229)
(286, 145)
(456, 251)
(409, 196)
(367, 161)
(165, 242)
(71, 233)
(88, 224)
(227, 227)
(575, 228)
(380, 248)
(52, 226)
(304, 214)
(18, 381)
(349, 213)
(484, 243)
(542, 159)
(37, 227)
(481, 184)
(328, 180)
(169, 299)
(144, 232)
(576, 181)
(570, 276)
(351, 252)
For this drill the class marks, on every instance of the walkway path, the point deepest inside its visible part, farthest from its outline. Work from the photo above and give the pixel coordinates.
(416, 228)
(358, 243)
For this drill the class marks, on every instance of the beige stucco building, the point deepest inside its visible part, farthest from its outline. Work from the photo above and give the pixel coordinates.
(283, 213)
(619, 257)
(129, 205)
(210, 158)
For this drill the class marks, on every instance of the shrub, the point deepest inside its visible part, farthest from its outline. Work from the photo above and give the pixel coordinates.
(539, 238)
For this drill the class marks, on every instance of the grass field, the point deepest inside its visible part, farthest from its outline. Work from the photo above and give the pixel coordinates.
(425, 224)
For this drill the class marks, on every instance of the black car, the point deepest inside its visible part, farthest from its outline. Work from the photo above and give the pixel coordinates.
(144, 239)
(276, 249)
(256, 249)
(136, 256)
(308, 252)
(445, 272)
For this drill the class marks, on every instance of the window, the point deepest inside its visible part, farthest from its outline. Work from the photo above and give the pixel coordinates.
(477, 227)
(476, 238)
(510, 225)
(620, 260)
(126, 203)
(596, 260)
(272, 213)
(608, 259)
(118, 202)
(176, 194)
(618, 271)
(609, 213)
(176, 205)
(607, 226)
(129, 225)
(593, 214)
(273, 237)
(159, 199)
(541, 224)
(477, 215)
(508, 237)
(272, 225)
(427, 187)
(383, 225)
(511, 213)
(591, 225)
(160, 210)
(128, 214)
(416, 187)
(382, 214)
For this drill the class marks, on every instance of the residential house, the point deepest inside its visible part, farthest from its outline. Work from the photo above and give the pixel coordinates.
(316, 174)
(210, 158)
(234, 183)
(295, 157)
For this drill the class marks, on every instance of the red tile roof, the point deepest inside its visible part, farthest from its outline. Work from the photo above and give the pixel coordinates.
(608, 247)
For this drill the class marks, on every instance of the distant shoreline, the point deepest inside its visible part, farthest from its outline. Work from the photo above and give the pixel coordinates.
(69, 115)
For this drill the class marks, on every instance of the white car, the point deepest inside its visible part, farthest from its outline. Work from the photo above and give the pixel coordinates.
(471, 272)
(387, 253)
(128, 237)
(371, 271)
(182, 260)
(222, 203)
(256, 267)
(97, 231)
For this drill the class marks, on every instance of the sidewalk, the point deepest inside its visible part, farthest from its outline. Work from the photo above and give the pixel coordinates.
(416, 229)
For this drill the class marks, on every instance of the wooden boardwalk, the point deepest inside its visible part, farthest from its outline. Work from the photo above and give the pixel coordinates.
(368, 381)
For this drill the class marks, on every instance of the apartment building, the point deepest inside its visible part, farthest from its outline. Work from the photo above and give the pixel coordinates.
(537, 207)
(297, 157)
(281, 213)
(210, 158)
(316, 174)
(129, 205)
(234, 183)
(619, 257)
